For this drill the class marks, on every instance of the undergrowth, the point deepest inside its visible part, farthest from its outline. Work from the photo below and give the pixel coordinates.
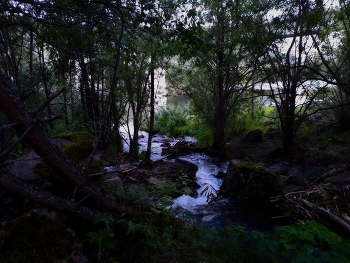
(170, 240)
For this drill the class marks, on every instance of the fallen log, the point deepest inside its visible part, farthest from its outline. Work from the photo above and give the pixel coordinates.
(330, 174)
(44, 198)
(336, 221)
(39, 141)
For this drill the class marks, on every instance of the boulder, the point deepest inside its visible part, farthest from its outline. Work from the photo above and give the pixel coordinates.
(249, 181)
(271, 133)
(188, 167)
(254, 136)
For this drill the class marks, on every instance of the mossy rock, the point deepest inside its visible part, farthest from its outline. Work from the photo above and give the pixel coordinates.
(249, 181)
(35, 237)
(77, 149)
(79, 146)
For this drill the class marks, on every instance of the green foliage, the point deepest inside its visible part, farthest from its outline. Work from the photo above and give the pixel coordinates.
(176, 121)
(168, 189)
(158, 237)
(304, 242)
(200, 129)
(127, 191)
(245, 121)
(60, 127)
(172, 121)
(104, 239)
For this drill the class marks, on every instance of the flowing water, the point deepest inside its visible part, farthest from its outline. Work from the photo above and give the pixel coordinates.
(223, 212)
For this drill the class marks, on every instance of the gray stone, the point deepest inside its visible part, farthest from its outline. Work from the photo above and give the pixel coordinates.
(343, 178)
(24, 167)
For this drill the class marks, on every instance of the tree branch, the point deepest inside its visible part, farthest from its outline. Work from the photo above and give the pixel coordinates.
(48, 100)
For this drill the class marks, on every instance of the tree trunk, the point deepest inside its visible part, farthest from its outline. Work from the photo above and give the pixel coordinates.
(47, 199)
(151, 123)
(42, 145)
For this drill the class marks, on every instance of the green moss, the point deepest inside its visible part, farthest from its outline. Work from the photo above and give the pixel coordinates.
(79, 145)
(78, 148)
(35, 238)
(256, 168)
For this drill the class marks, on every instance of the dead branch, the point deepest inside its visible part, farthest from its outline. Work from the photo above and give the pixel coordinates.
(330, 174)
(51, 119)
(47, 199)
(42, 145)
(92, 153)
(48, 100)
(7, 163)
(164, 172)
(336, 221)
(8, 126)
(111, 172)
(17, 142)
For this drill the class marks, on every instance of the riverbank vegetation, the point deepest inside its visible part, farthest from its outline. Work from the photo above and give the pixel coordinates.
(263, 81)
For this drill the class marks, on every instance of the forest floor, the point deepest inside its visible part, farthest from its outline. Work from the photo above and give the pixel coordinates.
(322, 146)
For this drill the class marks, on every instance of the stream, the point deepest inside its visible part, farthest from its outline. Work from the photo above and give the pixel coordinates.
(223, 212)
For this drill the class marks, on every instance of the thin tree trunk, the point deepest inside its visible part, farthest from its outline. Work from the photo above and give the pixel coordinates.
(151, 123)
(42, 145)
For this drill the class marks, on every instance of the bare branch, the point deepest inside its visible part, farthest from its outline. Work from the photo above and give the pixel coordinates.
(48, 100)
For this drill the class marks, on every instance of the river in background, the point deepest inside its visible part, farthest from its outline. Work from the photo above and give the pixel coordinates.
(199, 210)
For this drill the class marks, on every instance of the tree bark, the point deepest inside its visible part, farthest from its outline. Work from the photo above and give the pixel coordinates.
(42, 145)
(49, 200)
(334, 220)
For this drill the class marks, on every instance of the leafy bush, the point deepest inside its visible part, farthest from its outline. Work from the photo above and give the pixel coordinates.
(245, 121)
(172, 121)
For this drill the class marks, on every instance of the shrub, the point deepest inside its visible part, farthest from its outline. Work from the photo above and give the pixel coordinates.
(172, 121)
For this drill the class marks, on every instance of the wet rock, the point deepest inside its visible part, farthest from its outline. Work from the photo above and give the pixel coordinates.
(249, 181)
(342, 179)
(271, 133)
(313, 172)
(269, 122)
(24, 167)
(165, 143)
(254, 136)
(279, 168)
(220, 175)
(188, 167)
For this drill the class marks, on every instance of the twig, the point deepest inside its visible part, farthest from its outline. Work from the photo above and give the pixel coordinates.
(16, 143)
(48, 100)
(164, 172)
(82, 200)
(110, 172)
(8, 162)
(330, 174)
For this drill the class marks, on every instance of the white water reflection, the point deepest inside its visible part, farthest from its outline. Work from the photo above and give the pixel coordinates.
(208, 168)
